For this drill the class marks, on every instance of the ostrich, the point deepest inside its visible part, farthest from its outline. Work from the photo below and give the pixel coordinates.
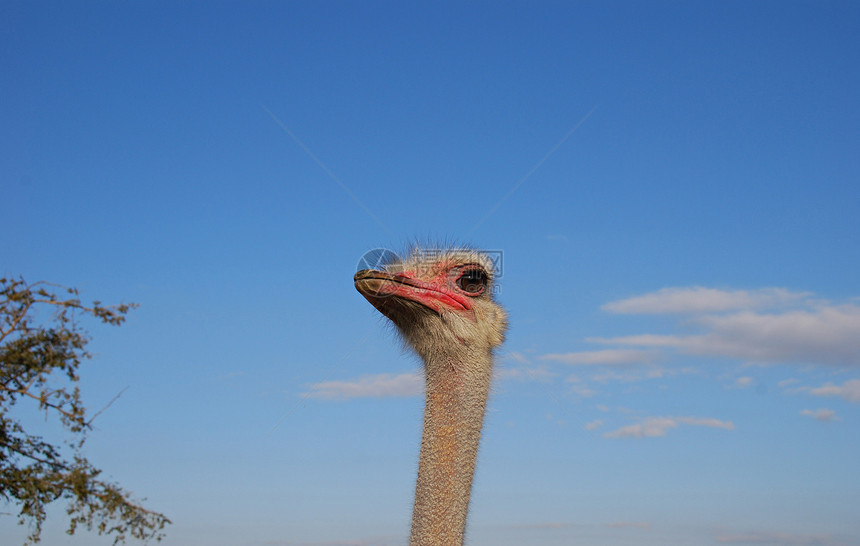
(441, 303)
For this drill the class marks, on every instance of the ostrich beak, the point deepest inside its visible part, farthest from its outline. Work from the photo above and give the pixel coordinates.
(377, 286)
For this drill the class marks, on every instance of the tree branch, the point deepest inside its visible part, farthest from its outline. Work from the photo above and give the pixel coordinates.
(109, 404)
(42, 398)
(21, 315)
(53, 464)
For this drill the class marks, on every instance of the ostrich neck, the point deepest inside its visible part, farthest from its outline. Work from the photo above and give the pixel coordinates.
(456, 397)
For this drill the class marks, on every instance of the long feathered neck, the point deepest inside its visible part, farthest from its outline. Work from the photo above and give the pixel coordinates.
(458, 383)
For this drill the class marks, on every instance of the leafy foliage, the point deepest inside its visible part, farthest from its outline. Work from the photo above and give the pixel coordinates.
(39, 365)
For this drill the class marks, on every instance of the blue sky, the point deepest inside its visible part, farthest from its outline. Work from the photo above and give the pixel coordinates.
(679, 257)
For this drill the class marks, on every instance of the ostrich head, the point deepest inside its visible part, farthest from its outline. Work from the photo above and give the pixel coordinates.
(440, 301)
(442, 305)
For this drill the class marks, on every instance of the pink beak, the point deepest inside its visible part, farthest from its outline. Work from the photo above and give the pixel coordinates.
(376, 286)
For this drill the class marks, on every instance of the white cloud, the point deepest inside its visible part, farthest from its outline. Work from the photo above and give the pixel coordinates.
(698, 299)
(779, 539)
(850, 390)
(824, 335)
(649, 428)
(744, 382)
(523, 373)
(629, 376)
(824, 415)
(372, 386)
(643, 340)
(655, 427)
(707, 422)
(594, 425)
(627, 365)
(604, 357)
(516, 356)
(645, 525)
(376, 541)
(583, 391)
(545, 525)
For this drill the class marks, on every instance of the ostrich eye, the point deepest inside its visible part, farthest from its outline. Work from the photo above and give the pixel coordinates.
(473, 281)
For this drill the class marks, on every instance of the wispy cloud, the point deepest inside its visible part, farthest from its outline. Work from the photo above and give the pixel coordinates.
(822, 414)
(656, 427)
(644, 525)
(516, 356)
(523, 373)
(827, 334)
(850, 390)
(372, 542)
(582, 390)
(371, 386)
(780, 539)
(544, 525)
(381, 541)
(629, 376)
(699, 299)
(603, 357)
(594, 425)
(523, 370)
(626, 365)
(744, 382)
